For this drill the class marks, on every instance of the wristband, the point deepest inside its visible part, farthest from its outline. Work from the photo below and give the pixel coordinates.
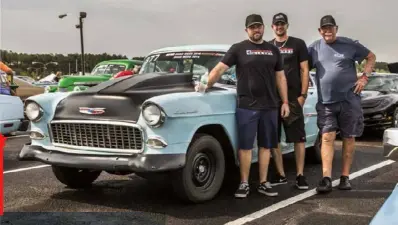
(364, 76)
(285, 103)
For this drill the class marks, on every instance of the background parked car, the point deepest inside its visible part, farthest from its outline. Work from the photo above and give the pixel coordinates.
(103, 71)
(380, 101)
(11, 113)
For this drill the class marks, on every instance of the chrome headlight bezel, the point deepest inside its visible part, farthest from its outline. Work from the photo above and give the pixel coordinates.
(34, 114)
(77, 88)
(47, 89)
(153, 115)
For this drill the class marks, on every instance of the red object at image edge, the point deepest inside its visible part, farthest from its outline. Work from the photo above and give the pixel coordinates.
(2, 144)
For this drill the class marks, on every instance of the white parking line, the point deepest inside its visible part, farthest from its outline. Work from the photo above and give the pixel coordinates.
(307, 194)
(25, 169)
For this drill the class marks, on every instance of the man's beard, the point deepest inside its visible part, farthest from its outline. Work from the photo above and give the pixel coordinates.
(279, 34)
(253, 38)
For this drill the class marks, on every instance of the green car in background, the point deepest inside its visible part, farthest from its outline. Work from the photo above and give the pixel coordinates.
(103, 71)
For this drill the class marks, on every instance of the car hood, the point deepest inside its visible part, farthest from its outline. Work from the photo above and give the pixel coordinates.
(370, 94)
(67, 81)
(121, 99)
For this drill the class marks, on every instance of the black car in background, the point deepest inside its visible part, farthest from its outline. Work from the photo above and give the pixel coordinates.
(380, 100)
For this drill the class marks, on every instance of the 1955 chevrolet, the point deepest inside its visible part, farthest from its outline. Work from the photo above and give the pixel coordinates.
(147, 124)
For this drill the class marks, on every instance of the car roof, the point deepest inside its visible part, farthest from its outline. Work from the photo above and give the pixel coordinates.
(208, 47)
(120, 61)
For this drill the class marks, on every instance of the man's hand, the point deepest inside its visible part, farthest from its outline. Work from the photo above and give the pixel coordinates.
(201, 87)
(360, 84)
(301, 100)
(285, 111)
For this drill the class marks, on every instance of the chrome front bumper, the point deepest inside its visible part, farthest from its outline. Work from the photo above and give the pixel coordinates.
(133, 163)
(390, 143)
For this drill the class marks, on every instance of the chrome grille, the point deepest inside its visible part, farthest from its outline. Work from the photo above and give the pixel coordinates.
(105, 135)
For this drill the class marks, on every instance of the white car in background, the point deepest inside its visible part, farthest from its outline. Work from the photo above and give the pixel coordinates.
(11, 114)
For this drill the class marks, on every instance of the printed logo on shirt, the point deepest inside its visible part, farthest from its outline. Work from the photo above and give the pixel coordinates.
(338, 55)
(259, 52)
(286, 51)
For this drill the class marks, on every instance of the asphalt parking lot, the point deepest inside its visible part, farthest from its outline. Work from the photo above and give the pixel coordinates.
(33, 196)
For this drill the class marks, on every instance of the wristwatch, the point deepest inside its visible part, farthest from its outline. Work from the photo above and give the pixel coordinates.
(365, 76)
(304, 95)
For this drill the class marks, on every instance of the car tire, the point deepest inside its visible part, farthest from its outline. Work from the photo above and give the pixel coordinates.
(314, 153)
(75, 178)
(202, 177)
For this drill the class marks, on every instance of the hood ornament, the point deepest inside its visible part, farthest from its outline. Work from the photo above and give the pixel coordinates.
(91, 111)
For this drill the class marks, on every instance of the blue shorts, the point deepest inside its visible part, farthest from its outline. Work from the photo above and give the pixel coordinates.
(264, 123)
(346, 116)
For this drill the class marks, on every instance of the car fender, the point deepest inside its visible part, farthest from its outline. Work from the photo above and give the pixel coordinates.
(187, 112)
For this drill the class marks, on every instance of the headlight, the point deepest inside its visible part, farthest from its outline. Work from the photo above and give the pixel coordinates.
(153, 115)
(77, 88)
(47, 89)
(33, 111)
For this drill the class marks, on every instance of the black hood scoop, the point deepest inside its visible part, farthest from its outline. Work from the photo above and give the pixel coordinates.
(120, 99)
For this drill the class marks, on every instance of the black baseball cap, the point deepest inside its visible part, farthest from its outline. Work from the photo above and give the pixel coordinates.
(279, 17)
(328, 20)
(253, 19)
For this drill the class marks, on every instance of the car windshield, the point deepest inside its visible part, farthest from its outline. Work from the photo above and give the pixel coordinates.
(382, 83)
(196, 62)
(108, 69)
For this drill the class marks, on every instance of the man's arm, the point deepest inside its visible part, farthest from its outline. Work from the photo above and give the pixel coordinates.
(216, 73)
(5, 68)
(227, 61)
(370, 63)
(361, 53)
(281, 83)
(304, 67)
(305, 77)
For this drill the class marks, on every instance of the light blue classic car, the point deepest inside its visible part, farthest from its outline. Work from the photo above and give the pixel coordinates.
(149, 124)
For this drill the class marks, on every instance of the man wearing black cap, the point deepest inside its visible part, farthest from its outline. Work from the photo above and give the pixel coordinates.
(339, 102)
(295, 57)
(260, 75)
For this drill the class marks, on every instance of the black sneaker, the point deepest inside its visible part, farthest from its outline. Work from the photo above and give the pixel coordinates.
(243, 190)
(265, 188)
(301, 182)
(344, 183)
(325, 185)
(278, 179)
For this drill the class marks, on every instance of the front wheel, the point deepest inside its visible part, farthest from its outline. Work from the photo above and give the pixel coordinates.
(202, 177)
(75, 178)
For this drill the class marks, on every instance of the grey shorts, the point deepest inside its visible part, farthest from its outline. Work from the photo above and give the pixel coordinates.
(346, 117)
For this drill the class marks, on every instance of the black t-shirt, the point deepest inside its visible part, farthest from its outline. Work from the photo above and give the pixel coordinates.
(256, 65)
(294, 51)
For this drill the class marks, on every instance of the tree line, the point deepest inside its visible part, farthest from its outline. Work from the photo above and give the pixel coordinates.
(42, 64)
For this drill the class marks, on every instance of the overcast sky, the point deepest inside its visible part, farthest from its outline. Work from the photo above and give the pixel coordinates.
(136, 27)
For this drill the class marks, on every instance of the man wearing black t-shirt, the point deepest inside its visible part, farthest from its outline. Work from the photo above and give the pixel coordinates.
(259, 69)
(295, 57)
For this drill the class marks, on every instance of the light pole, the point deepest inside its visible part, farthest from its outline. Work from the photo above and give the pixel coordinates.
(79, 26)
